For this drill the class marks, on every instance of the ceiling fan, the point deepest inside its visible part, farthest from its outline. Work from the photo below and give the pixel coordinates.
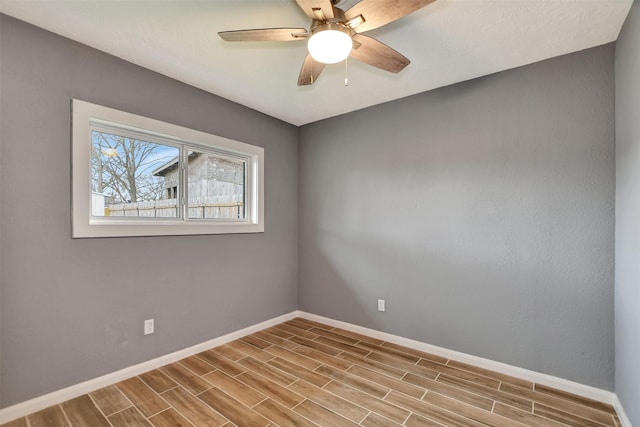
(335, 34)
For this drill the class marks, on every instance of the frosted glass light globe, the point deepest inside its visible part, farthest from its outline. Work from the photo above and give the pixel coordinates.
(330, 46)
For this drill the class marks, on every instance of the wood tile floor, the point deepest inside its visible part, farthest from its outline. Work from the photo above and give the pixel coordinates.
(302, 373)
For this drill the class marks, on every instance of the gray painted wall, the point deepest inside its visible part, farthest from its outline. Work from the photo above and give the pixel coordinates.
(627, 295)
(72, 310)
(482, 212)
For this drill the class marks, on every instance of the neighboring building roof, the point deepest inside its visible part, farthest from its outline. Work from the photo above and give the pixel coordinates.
(166, 168)
(171, 165)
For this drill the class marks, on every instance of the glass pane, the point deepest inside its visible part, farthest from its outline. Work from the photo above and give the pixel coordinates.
(216, 187)
(133, 178)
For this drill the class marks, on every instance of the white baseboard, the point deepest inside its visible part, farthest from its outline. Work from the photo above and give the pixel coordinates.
(624, 419)
(41, 402)
(544, 379)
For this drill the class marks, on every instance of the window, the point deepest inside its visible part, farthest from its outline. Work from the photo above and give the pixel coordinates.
(135, 176)
(124, 177)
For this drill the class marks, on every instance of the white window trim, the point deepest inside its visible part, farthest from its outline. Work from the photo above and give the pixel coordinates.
(84, 225)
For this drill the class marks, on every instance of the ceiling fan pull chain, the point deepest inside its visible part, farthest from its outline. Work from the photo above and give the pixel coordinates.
(346, 71)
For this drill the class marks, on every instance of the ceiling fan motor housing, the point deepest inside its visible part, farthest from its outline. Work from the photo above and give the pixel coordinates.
(331, 26)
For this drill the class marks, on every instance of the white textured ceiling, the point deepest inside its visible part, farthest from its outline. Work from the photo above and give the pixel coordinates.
(447, 42)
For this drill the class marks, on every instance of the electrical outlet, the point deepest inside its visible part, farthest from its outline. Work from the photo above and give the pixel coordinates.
(148, 326)
(380, 305)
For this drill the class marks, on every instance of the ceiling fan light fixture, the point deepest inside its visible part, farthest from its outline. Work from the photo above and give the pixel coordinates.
(330, 43)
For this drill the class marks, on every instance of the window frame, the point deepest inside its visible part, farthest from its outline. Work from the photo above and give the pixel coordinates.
(86, 116)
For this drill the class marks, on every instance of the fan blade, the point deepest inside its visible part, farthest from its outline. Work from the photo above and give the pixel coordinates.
(378, 54)
(264, 35)
(313, 7)
(377, 13)
(310, 71)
